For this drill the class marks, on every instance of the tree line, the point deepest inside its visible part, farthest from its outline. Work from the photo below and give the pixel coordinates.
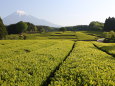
(27, 27)
(93, 26)
(109, 25)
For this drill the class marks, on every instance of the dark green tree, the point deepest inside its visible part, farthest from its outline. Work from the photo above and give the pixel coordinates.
(63, 29)
(109, 24)
(3, 31)
(46, 28)
(40, 29)
(95, 25)
(31, 27)
(21, 27)
(81, 27)
(12, 29)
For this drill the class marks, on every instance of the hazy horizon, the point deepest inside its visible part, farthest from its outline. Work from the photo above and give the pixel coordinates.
(62, 12)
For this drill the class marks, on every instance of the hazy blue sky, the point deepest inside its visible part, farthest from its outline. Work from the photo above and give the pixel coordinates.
(62, 12)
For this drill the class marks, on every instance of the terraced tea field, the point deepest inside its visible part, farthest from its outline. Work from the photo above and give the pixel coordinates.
(57, 62)
(86, 66)
(106, 47)
(26, 63)
(68, 35)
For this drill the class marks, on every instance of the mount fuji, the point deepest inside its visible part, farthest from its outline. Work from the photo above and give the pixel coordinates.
(22, 16)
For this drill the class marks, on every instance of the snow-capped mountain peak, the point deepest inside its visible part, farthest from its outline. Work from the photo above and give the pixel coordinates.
(23, 16)
(20, 12)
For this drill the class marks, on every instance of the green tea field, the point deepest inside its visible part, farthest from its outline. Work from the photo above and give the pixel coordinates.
(57, 59)
(68, 35)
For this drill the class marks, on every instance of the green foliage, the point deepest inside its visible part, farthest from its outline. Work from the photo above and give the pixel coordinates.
(109, 24)
(17, 28)
(109, 36)
(21, 27)
(93, 26)
(94, 33)
(30, 62)
(3, 31)
(96, 26)
(63, 29)
(83, 36)
(108, 47)
(80, 28)
(41, 29)
(86, 66)
(68, 35)
(31, 27)
(77, 28)
(12, 29)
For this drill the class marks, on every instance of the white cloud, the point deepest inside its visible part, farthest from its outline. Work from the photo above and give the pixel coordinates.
(20, 12)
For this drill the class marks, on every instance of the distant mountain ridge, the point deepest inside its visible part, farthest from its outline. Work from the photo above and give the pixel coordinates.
(22, 16)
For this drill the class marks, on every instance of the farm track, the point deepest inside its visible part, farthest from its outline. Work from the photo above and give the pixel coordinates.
(47, 82)
(104, 51)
